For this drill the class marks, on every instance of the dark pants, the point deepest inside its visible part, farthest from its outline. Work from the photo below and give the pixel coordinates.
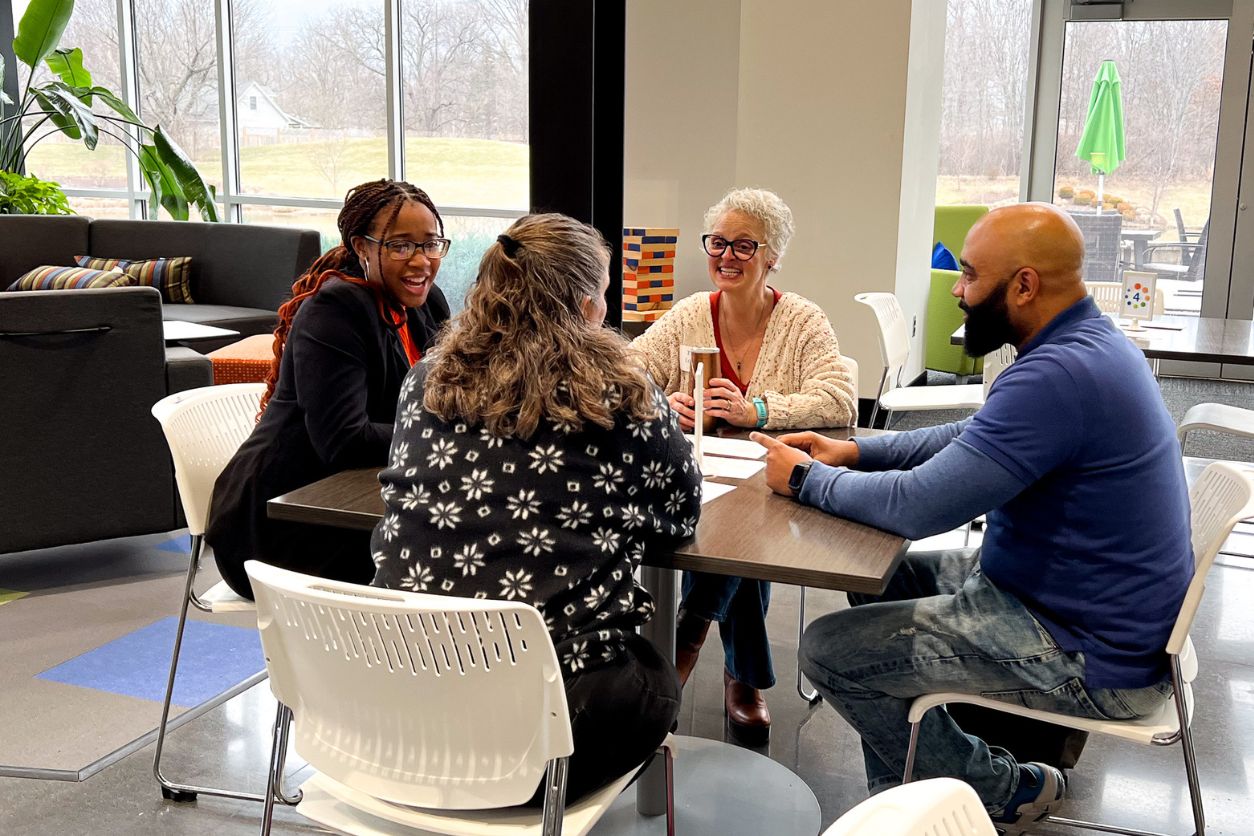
(739, 606)
(619, 715)
(337, 554)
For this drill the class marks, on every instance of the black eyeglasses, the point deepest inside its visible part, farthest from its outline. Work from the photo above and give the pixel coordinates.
(399, 249)
(742, 249)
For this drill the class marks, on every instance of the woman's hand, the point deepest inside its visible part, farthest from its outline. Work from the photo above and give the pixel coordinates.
(685, 407)
(723, 400)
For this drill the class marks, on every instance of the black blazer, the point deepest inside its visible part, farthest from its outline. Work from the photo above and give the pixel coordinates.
(333, 409)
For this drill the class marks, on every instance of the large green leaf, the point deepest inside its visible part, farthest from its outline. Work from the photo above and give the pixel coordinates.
(114, 101)
(192, 184)
(166, 191)
(40, 29)
(69, 114)
(68, 65)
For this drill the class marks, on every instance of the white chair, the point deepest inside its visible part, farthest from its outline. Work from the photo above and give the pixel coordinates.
(423, 712)
(935, 807)
(1216, 417)
(1222, 495)
(203, 428)
(892, 395)
(1109, 297)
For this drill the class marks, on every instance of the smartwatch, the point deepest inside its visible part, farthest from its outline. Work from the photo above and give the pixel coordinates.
(798, 477)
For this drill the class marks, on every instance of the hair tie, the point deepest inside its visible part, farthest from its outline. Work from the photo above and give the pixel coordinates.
(510, 246)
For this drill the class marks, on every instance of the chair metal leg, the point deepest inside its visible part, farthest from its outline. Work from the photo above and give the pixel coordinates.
(554, 797)
(1186, 743)
(669, 765)
(813, 697)
(169, 789)
(274, 775)
(908, 775)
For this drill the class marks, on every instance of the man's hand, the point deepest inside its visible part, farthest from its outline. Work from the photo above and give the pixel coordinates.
(685, 408)
(780, 460)
(823, 449)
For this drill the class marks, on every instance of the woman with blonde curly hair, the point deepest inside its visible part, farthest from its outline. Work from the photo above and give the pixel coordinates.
(534, 460)
(780, 369)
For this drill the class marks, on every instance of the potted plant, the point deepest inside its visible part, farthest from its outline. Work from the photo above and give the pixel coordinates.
(66, 102)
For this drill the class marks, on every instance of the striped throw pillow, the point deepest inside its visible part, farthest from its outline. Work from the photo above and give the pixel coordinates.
(172, 276)
(50, 277)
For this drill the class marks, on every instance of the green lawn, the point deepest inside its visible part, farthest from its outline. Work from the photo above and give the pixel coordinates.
(455, 172)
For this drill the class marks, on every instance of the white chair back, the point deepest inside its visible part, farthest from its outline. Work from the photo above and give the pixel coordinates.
(995, 362)
(1221, 497)
(204, 427)
(1109, 297)
(425, 700)
(894, 336)
(935, 807)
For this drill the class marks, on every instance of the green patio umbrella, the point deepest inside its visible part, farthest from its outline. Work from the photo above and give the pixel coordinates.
(1101, 144)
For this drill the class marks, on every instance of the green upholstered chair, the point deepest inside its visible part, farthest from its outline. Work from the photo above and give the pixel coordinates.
(943, 316)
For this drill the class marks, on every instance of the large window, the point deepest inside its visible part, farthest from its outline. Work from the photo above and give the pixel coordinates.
(983, 101)
(310, 108)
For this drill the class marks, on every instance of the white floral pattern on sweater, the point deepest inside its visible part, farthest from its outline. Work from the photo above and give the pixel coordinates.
(799, 372)
(561, 520)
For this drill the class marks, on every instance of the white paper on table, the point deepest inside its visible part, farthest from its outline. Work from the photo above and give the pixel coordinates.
(711, 491)
(736, 448)
(729, 468)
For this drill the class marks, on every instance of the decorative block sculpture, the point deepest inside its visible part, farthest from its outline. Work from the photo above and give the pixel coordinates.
(648, 272)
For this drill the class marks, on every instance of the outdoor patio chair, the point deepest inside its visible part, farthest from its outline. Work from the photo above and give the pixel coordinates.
(1101, 245)
(429, 712)
(1222, 496)
(1109, 297)
(1190, 263)
(935, 807)
(203, 428)
(1186, 233)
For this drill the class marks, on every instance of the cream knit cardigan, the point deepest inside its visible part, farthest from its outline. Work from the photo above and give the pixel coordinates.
(799, 372)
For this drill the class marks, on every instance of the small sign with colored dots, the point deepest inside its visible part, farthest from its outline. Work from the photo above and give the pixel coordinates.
(1138, 294)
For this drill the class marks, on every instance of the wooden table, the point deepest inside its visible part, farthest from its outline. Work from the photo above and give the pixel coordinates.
(1199, 339)
(749, 532)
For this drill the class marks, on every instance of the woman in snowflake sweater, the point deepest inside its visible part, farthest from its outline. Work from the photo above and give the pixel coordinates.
(533, 460)
(781, 369)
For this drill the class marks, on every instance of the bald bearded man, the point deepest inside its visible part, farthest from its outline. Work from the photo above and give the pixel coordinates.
(1068, 604)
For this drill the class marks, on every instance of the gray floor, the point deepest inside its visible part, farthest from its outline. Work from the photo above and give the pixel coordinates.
(1114, 781)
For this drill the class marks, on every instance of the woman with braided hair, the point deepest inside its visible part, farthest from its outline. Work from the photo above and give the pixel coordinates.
(358, 319)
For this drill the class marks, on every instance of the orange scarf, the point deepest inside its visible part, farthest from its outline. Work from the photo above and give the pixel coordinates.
(396, 318)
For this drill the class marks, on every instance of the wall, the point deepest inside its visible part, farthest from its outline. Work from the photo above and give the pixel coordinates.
(836, 109)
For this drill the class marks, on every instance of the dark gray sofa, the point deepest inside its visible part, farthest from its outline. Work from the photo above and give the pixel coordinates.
(240, 273)
(81, 457)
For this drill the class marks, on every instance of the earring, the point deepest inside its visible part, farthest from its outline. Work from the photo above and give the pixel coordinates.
(367, 260)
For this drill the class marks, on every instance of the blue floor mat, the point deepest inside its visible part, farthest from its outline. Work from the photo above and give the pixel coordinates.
(215, 657)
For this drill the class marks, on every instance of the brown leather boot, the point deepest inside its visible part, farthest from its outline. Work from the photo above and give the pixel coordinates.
(747, 714)
(690, 633)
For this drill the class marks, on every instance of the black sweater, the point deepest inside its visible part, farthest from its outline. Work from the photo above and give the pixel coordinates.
(560, 520)
(332, 409)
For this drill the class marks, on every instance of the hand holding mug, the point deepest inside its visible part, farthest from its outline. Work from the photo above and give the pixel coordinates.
(685, 407)
(724, 400)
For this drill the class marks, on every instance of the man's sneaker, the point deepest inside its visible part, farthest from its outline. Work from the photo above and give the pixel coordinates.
(1041, 788)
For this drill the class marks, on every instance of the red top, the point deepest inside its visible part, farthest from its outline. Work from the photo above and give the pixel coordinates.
(728, 370)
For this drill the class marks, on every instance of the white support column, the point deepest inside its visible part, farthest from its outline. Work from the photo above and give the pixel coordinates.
(128, 66)
(392, 54)
(227, 108)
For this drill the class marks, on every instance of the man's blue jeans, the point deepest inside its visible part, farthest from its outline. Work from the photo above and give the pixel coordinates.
(739, 606)
(942, 626)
